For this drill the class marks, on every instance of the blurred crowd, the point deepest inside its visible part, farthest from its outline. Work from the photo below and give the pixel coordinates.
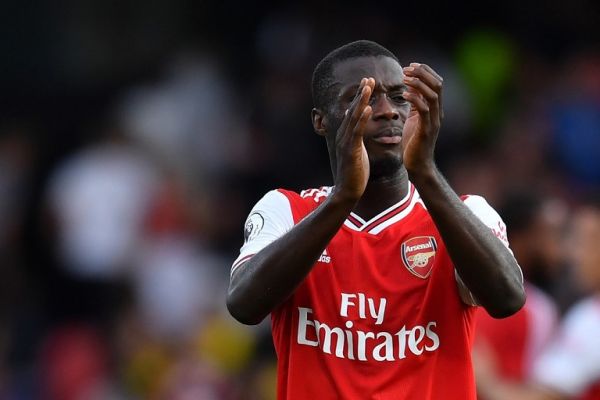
(134, 141)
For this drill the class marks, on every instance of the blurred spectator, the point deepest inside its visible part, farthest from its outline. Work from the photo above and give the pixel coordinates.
(176, 278)
(191, 118)
(569, 367)
(99, 199)
(515, 342)
(74, 365)
(575, 116)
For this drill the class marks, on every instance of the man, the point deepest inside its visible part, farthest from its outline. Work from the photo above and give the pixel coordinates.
(370, 283)
(569, 368)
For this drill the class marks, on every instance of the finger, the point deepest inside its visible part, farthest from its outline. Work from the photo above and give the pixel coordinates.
(430, 96)
(371, 83)
(441, 80)
(357, 112)
(346, 132)
(420, 87)
(432, 72)
(428, 69)
(424, 74)
(431, 78)
(350, 112)
(420, 105)
(359, 129)
(350, 109)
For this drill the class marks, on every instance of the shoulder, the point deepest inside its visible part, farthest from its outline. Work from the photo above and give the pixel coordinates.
(316, 195)
(477, 203)
(288, 203)
(487, 214)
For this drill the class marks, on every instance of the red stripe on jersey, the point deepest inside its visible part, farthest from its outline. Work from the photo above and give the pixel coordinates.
(354, 221)
(392, 213)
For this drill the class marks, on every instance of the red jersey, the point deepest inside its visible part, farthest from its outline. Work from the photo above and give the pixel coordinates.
(380, 315)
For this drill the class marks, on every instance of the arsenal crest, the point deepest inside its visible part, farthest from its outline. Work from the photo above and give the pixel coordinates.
(418, 254)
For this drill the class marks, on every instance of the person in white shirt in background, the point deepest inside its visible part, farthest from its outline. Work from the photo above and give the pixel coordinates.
(569, 367)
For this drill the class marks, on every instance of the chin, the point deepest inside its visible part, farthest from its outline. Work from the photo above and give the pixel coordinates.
(385, 167)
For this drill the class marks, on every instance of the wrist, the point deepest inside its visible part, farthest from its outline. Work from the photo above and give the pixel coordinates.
(343, 200)
(423, 176)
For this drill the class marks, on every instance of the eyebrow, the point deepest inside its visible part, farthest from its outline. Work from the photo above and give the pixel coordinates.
(401, 87)
(352, 89)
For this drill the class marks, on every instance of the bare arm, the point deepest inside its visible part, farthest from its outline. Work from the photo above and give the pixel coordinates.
(486, 267)
(484, 264)
(271, 276)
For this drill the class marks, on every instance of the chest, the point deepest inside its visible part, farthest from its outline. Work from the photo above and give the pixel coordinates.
(401, 275)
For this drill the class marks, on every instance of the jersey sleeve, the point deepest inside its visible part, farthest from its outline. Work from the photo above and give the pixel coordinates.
(486, 213)
(268, 220)
(480, 207)
(571, 363)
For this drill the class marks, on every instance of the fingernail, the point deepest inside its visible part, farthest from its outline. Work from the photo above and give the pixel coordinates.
(409, 69)
(408, 78)
(415, 64)
(346, 113)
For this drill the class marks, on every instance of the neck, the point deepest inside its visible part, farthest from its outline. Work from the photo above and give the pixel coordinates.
(382, 193)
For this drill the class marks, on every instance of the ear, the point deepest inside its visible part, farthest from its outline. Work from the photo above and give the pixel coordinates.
(319, 121)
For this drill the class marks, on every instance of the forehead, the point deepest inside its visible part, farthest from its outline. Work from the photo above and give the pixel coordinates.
(384, 69)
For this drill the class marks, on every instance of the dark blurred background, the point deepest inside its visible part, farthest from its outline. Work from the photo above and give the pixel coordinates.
(136, 136)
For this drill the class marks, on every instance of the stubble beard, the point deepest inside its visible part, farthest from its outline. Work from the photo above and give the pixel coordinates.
(384, 168)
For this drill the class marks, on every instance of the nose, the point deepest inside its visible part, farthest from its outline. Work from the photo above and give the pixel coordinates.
(383, 108)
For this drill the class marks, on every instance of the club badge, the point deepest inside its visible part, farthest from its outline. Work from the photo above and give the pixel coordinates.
(418, 254)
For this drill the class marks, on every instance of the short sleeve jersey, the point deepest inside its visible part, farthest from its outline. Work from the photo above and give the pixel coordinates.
(380, 315)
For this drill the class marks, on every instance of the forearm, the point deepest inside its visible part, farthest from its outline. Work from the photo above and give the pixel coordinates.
(271, 276)
(484, 264)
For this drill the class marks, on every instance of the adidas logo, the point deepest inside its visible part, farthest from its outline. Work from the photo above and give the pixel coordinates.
(325, 258)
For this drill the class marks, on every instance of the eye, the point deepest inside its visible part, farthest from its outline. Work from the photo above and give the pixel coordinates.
(397, 97)
(349, 98)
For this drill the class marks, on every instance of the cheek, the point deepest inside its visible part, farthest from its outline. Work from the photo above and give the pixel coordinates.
(404, 109)
(334, 121)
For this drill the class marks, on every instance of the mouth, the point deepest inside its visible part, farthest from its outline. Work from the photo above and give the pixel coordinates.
(389, 135)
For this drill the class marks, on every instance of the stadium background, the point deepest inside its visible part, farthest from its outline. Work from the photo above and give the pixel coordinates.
(135, 137)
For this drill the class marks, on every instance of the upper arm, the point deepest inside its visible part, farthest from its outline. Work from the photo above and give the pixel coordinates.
(268, 220)
(486, 214)
(490, 218)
